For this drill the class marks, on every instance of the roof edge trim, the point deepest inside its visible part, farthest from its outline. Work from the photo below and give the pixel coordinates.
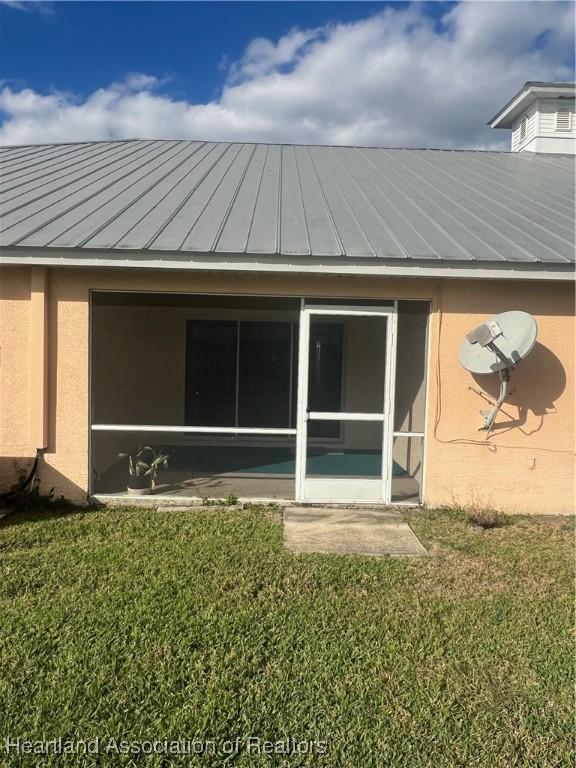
(530, 91)
(346, 266)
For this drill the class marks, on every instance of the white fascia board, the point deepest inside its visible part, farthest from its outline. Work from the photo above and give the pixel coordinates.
(505, 118)
(347, 266)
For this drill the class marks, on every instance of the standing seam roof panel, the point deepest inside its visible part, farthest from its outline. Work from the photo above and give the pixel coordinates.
(119, 227)
(483, 240)
(293, 227)
(40, 187)
(522, 173)
(322, 234)
(35, 171)
(110, 206)
(235, 229)
(263, 236)
(12, 155)
(548, 159)
(76, 195)
(366, 213)
(523, 194)
(174, 234)
(390, 210)
(349, 231)
(441, 243)
(122, 212)
(60, 217)
(459, 229)
(207, 226)
(538, 220)
(298, 201)
(472, 202)
(19, 165)
(151, 214)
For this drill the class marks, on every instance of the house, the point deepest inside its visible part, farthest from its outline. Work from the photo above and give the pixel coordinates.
(284, 321)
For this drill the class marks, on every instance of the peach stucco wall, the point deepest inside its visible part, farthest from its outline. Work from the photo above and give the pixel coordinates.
(527, 464)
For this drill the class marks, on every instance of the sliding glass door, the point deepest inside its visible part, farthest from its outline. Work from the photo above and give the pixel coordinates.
(240, 373)
(345, 395)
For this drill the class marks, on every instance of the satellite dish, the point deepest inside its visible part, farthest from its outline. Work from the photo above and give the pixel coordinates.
(501, 342)
(497, 346)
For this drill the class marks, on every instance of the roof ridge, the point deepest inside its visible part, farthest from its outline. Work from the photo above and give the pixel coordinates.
(260, 143)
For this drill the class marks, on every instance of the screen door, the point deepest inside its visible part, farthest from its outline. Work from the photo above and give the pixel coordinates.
(345, 393)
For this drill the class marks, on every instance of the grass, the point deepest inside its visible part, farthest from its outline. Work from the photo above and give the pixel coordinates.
(138, 625)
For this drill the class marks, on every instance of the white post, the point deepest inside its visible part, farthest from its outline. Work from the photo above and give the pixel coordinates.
(389, 390)
(302, 402)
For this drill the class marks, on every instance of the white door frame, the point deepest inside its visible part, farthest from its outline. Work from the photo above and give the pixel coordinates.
(375, 491)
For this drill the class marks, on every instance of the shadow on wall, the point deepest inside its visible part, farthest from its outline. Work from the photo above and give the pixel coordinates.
(48, 480)
(534, 386)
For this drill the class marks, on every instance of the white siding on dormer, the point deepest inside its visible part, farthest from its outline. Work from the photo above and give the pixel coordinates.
(548, 117)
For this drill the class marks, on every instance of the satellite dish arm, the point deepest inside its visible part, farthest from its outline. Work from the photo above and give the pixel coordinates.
(490, 416)
(500, 355)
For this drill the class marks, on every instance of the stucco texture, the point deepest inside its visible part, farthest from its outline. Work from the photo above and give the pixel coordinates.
(525, 466)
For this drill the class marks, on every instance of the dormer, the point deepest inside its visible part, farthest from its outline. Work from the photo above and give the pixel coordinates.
(542, 118)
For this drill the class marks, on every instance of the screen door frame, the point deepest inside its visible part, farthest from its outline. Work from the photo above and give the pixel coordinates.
(357, 489)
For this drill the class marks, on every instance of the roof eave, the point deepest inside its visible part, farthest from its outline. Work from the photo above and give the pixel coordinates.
(282, 264)
(527, 95)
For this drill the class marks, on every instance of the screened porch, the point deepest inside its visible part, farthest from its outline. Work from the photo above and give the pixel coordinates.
(271, 398)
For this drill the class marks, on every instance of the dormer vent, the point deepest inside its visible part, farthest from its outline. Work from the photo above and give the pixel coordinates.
(563, 120)
(523, 123)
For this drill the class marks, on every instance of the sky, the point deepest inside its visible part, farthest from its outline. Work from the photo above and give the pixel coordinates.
(354, 73)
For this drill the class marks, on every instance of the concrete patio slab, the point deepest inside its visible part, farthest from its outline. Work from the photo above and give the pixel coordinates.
(350, 531)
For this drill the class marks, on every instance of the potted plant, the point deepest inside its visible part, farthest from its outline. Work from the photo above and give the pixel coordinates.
(143, 469)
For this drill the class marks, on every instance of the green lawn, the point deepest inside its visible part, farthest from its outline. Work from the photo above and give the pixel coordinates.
(140, 625)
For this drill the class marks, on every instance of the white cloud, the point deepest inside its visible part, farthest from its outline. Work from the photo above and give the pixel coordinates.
(262, 56)
(15, 4)
(394, 79)
(30, 6)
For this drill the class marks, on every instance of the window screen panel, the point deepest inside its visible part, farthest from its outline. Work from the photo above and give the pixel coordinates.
(358, 454)
(408, 455)
(325, 375)
(199, 465)
(264, 374)
(410, 394)
(211, 347)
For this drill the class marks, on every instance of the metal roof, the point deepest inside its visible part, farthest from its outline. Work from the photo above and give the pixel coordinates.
(289, 200)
